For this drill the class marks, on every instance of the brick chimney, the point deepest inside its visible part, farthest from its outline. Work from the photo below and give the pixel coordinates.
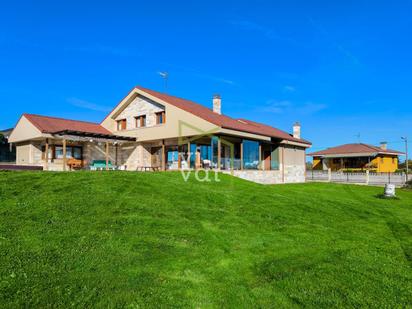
(384, 145)
(296, 130)
(217, 104)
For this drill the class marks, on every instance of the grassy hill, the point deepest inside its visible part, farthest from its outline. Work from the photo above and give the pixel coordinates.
(142, 240)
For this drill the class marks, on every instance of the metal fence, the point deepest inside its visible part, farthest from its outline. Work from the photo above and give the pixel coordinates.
(369, 178)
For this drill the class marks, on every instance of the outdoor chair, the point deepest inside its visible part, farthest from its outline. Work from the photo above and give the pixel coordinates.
(101, 165)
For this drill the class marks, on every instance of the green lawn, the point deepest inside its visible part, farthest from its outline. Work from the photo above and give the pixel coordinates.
(137, 240)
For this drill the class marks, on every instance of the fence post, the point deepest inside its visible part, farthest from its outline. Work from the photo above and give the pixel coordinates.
(367, 177)
(329, 174)
(347, 177)
(389, 177)
(312, 175)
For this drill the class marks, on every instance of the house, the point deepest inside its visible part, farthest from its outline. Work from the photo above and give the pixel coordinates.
(357, 156)
(7, 151)
(152, 130)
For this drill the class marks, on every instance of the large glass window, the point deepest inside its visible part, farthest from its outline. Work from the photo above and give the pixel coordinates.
(172, 157)
(59, 152)
(214, 145)
(206, 152)
(250, 154)
(193, 149)
(71, 152)
(274, 158)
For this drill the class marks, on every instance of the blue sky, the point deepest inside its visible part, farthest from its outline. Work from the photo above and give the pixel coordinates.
(341, 69)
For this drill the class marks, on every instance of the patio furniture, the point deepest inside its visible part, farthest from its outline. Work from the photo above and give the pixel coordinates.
(101, 165)
(148, 168)
(75, 164)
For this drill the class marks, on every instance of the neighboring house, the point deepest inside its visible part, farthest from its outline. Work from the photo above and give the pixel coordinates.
(149, 129)
(357, 156)
(7, 151)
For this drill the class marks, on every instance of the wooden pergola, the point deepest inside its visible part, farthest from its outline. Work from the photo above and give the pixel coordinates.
(79, 136)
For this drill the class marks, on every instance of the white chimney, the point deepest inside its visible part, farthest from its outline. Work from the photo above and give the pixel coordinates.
(296, 130)
(217, 104)
(384, 145)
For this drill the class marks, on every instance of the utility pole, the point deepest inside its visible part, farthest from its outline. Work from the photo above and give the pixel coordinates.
(407, 157)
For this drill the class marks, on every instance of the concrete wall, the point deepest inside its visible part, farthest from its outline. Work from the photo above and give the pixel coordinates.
(24, 131)
(294, 161)
(23, 154)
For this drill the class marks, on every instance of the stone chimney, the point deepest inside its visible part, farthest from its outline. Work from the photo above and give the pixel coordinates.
(384, 145)
(296, 130)
(217, 104)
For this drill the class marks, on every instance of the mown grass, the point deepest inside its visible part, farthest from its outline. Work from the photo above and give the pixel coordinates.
(151, 240)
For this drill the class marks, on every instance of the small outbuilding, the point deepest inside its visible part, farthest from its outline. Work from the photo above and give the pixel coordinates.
(357, 157)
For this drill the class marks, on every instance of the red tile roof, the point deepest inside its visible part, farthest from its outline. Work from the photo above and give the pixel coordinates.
(222, 120)
(353, 148)
(53, 125)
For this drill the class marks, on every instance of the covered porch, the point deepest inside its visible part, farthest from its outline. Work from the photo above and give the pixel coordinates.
(216, 152)
(358, 162)
(74, 150)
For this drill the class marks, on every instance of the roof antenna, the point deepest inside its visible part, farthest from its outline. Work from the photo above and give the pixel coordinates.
(165, 76)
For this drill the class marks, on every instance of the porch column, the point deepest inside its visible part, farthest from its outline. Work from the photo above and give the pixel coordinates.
(46, 155)
(188, 155)
(107, 156)
(341, 163)
(260, 167)
(163, 155)
(219, 152)
(241, 155)
(283, 164)
(64, 155)
(179, 157)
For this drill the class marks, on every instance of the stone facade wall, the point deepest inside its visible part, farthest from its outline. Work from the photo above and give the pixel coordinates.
(134, 156)
(292, 175)
(263, 177)
(138, 107)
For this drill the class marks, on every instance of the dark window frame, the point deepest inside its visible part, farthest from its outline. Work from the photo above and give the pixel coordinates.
(161, 117)
(140, 121)
(121, 124)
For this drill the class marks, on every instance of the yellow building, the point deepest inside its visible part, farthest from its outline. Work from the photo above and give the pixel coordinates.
(357, 157)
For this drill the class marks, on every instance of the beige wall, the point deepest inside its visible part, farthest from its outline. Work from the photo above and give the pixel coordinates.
(133, 106)
(23, 154)
(24, 131)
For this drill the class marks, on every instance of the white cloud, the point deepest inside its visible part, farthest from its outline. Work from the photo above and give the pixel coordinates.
(269, 33)
(279, 107)
(88, 105)
(102, 49)
(289, 88)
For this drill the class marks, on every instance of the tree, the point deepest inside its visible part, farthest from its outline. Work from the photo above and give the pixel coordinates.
(402, 165)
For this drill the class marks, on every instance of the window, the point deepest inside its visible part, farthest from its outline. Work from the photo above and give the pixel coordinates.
(121, 124)
(141, 121)
(393, 160)
(71, 152)
(250, 154)
(274, 158)
(160, 117)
